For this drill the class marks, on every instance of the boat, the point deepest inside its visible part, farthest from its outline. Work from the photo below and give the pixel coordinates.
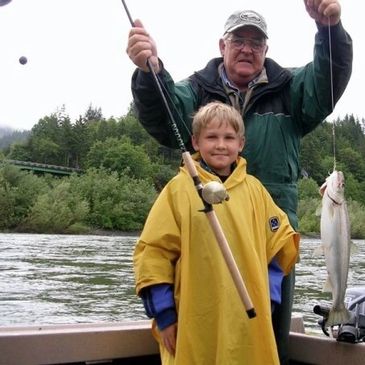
(132, 343)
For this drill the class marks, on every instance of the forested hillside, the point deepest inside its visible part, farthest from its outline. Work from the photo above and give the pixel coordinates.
(124, 169)
(9, 136)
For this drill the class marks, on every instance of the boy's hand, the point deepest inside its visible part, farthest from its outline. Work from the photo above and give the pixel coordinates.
(168, 338)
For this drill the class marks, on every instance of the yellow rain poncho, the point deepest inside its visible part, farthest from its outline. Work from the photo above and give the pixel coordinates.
(177, 246)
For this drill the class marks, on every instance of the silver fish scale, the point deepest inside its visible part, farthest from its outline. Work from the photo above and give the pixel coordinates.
(335, 236)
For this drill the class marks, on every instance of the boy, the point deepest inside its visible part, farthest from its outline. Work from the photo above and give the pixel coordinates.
(180, 272)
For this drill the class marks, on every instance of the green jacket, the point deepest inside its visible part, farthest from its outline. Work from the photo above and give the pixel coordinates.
(277, 112)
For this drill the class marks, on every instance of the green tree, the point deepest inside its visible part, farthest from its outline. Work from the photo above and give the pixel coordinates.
(66, 141)
(92, 114)
(120, 155)
(116, 201)
(315, 147)
(79, 143)
(309, 215)
(45, 151)
(353, 189)
(19, 151)
(57, 211)
(353, 162)
(130, 127)
(357, 219)
(44, 141)
(18, 192)
(307, 189)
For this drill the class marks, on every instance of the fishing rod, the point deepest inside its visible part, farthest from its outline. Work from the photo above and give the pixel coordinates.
(208, 195)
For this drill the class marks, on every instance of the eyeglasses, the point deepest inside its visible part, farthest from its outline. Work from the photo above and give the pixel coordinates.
(256, 45)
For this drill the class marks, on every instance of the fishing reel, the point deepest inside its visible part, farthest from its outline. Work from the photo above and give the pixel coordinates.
(214, 192)
(354, 330)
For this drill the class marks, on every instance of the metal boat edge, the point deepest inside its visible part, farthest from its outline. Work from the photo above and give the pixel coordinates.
(133, 343)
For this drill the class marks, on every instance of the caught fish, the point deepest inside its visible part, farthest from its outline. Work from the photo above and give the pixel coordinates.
(336, 240)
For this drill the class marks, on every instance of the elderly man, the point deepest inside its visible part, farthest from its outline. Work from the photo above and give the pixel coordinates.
(279, 106)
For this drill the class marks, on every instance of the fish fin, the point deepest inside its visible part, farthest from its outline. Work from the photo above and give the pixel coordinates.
(318, 251)
(323, 188)
(338, 316)
(327, 287)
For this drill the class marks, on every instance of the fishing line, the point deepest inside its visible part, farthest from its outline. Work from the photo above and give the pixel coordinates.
(332, 97)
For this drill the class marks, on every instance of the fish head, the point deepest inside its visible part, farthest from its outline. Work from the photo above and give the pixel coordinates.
(334, 186)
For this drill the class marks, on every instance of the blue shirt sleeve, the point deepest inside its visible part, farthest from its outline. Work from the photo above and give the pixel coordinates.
(159, 303)
(275, 278)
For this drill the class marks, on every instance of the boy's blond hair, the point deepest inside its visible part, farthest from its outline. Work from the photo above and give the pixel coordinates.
(220, 112)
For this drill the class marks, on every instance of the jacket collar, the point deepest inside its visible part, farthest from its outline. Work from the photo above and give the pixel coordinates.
(237, 176)
(276, 75)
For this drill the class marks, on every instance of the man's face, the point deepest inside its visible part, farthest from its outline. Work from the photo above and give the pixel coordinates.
(243, 52)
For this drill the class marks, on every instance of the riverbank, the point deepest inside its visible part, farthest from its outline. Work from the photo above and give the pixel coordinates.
(103, 232)
(116, 233)
(88, 232)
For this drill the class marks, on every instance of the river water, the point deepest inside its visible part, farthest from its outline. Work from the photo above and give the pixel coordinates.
(54, 279)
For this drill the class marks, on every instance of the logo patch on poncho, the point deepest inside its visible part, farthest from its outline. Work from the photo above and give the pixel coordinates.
(274, 224)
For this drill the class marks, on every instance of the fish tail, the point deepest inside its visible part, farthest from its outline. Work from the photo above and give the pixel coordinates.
(338, 316)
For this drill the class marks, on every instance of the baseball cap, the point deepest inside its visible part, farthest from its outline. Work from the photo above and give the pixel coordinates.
(245, 18)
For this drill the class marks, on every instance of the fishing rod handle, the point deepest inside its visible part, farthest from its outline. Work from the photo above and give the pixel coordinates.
(231, 264)
(189, 163)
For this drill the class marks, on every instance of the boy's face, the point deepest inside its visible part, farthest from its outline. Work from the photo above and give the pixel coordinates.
(219, 146)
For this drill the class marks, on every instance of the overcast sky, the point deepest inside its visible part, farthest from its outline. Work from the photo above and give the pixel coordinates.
(76, 50)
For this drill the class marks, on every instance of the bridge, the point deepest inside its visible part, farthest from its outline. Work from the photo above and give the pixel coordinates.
(44, 168)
